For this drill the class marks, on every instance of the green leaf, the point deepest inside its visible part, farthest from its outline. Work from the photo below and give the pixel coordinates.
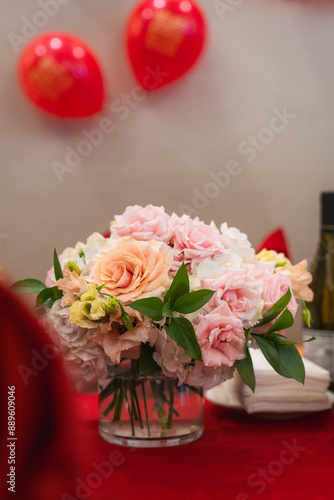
(147, 365)
(191, 302)
(269, 351)
(291, 360)
(282, 323)
(43, 296)
(276, 309)
(179, 286)
(283, 342)
(56, 265)
(57, 294)
(167, 311)
(246, 370)
(28, 286)
(182, 331)
(49, 303)
(151, 307)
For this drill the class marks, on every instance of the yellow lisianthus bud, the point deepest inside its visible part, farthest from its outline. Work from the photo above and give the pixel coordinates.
(307, 316)
(73, 267)
(110, 306)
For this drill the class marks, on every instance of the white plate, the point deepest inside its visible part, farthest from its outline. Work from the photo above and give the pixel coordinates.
(226, 395)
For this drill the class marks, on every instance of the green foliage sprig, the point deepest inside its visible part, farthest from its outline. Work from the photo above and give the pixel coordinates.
(46, 296)
(279, 351)
(178, 299)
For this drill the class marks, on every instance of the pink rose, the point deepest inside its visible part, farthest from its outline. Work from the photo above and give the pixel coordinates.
(132, 269)
(240, 292)
(193, 240)
(274, 287)
(261, 270)
(143, 223)
(220, 335)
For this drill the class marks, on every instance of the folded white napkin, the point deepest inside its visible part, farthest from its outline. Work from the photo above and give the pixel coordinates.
(274, 393)
(277, 394)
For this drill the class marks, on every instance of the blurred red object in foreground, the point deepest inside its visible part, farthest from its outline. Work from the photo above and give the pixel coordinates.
(37, 458)
(276, 240)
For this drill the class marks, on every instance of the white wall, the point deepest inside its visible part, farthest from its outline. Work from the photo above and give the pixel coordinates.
(262, 56)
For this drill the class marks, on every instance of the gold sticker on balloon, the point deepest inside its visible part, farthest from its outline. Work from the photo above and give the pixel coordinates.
(165, 33)
(50, 78)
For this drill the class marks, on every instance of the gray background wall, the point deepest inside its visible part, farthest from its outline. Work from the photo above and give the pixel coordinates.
(262, 57)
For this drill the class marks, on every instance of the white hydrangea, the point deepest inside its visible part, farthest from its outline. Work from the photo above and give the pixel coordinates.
(237, 241)
(94, 244)
(81, 356)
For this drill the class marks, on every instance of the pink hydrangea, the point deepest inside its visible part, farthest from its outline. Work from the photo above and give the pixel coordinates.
(118, 345)
(168, 354)
(220, 335)
(194, 240)
(143, 223)
(207, 377)
(240, 292)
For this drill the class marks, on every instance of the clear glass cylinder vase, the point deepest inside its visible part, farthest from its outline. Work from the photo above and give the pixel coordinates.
(148, 411)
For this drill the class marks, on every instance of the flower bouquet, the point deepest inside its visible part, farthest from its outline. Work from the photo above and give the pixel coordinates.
(162, 308)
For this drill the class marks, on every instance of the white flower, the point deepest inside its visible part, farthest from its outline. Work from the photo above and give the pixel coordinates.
(233, 239)
(94, 244)
(213, 268)
(168, 354)
(82, 357)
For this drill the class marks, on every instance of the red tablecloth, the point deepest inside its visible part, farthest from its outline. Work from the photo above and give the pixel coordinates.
(239, 457)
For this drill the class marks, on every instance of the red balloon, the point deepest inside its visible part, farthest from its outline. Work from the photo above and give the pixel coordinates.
(59, 74)
(164, 40)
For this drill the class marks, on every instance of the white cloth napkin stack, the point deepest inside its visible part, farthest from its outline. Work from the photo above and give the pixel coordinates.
(277, 394)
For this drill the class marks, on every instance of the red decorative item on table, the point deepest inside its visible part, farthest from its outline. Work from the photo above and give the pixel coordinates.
(59, 73)
(164, 40)
(275, 240)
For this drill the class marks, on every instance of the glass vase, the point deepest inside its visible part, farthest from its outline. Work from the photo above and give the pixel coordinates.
(148, 411)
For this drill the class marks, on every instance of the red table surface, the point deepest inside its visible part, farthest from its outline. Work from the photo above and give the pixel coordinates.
(239, 457)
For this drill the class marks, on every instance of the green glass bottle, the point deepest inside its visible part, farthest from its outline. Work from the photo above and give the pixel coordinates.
(322, 308)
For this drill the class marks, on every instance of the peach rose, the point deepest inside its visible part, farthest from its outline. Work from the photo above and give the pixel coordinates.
(300, 279)
(132, 269)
